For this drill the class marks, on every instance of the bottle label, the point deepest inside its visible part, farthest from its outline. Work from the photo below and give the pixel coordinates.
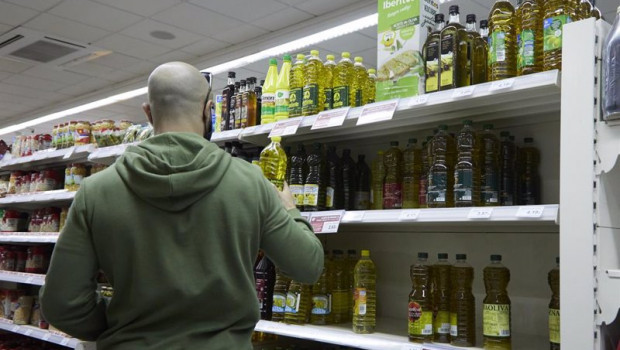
(279, 302)
(292, 302)
(311, 194)
(359, 297)
(554, 326)
(496, 320)
(432, 67)
(454, 328)
(329, 197)
(261, 291)
(526, 49)
(268, 107)
(442, 322)
(409, 191)
(447, 60)
(295, 101)
(392, 196)
(497, 48)
(329, 101)
(463, 185)
(298, 193)
(341, 97)
(437, 184)
(282, 101)
(552, 32)
(490, 193)
(320, 304)
(358, 98)
(420, 321)
(362, 200)
(310, 101)
(422, 193)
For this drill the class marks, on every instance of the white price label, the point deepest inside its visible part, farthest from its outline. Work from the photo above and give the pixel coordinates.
(409, 215)
(285, 127)
(330, 226)
(480, 213)
(530, 211)
(46, 336)
(502, 84)
(64, 341)
(331, 118)
(411, 347)
(418, 100)
(355, 216)
(326, 222)
(464, 91)
(377, 112)
(28, 332)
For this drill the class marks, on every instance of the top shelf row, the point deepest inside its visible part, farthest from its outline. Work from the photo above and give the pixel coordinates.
(530, 95)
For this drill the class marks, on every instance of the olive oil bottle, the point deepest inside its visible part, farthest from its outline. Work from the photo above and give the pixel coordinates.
(477, 52)
(431, 53)
(596, 13)
(484, 30)
(557, 13)
(343, 81)
(313, 96)
(329, 69)
(371, 86)
(529, 31)
(496, 306)
(296, 86)
(502, 58)
(359, 81)
(453, 62)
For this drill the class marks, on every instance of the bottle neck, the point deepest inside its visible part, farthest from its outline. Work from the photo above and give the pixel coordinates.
(484, 32)
(471, 27)
(454, 18)
(231, 81)
(439, 26)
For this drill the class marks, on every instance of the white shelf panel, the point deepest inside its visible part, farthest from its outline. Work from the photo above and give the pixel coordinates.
(44, 334)
(51, 156)
(533, 95)
(22, 277)
(29, 237)
(343, 335)
(107, 155)
(37, 199)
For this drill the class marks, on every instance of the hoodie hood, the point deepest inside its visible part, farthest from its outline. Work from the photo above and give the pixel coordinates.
(172, 171)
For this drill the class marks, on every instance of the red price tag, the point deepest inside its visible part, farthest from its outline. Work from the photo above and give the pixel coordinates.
(326, 222)
(331, 118)
(377, 112)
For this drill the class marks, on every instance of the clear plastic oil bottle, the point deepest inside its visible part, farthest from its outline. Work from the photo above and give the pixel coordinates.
(365, 294)
(329, 69)
(412, 167)
(440, 193)
(314, 95)
(296, 85)
(392, 183)
(462, 303)
(378, 173)
(420, 325)
(489, 177)
(496, 306)
(298, 303)
(273, 162)
(359, 81)
(340, 288)
(530, 33)
(478, 49)
(279, 296)
(557, 13)
(466, 171)
(502, 58)
(441, 298)
(343, 82)
(371, 86)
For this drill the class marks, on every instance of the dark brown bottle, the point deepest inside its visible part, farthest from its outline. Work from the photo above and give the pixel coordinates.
(362, 188)
(258, 90)
(315, 185)
(297, 177)
(334, 196)
(227, 93)
(232, 109)
(248, 103)
(265, 277)
(349, 177)
(530, 180)
(239, 107)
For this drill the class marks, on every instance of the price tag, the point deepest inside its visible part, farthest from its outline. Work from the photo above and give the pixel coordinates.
(535, 211)
(64, 341)
(464, 91)
(377, 112)
(502, 84)
(285, 127)
(46, 336)
(330, 119)
(480, 213)
(409, 215)
(69, 153)
(326, 222)
(355, 216)
(418, 100)
(411, 347)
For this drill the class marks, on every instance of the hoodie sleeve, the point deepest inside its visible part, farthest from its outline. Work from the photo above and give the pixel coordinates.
(68, 298)
(287, 239)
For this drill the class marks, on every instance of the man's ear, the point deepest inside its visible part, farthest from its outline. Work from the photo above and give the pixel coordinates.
(206, 113)
(147, 110)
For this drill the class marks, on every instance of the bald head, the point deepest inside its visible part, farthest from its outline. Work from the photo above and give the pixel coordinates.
(177, 93)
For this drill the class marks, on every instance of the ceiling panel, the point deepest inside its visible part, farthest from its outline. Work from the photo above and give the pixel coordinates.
(39, 5)
(143, 67)
(143, 30)
(246, 11)
(131, 46)
(205, 47)
(35, 83)
(5, 28)
(54, 25)
(95, 14)
(92, 69)
(197, 19)
(15, 15)
(4, 75)
(241, 34)
(12, 99)
(174, 56)
(291, 2)
(85, 87)
(116, 60)
(320, 7)
(353, 41)
(145, 8)
(284, 18)
(33, 93)
(11, 66)
(55, 74)
(117, 75)
(370, 32)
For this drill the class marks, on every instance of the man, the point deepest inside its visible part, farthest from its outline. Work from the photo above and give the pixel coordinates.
(175, 224)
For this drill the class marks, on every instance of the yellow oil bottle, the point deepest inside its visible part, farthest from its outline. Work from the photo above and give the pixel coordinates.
(496, 306)
(329, 69)
(557, 13)
(343, 82)
(282, 90)
(365, 293)
(268, 106)
(420, 325)
(462, 303)
(529, 31)
(370, 91)
(502, 58)
(298, 303)
(313, 98)
(296, 85)
(340, 288)
(359, 81)
(273, 162)
(279, 296)
(321, 298)
(412, 167)
(440, 281)
(585, 9)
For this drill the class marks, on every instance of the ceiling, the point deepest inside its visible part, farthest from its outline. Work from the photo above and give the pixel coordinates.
(205, 32)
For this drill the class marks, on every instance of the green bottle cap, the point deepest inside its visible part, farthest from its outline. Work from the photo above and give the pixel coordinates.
(276, 139)
(461, 256)
(359, 59)
(365, 253)
(330, 57)
(346, 55)
(286, 58)
(273, 62)
(372, 71)
(394, 143)
(442, 256)
(314, 53)
(300, 56)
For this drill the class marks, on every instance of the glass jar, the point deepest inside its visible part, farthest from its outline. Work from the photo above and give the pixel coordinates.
(74, 174)
(71, 131)
(45, 141)
(21, 256)
(35, 262)
(55, 136)
(62, 135)
(82, 133)
(63, 218)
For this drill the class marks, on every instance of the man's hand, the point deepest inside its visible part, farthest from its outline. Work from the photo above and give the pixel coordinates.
(286, 197)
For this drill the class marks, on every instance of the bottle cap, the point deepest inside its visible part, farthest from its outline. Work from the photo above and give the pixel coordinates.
(504, 133)
(467, 122)
(300, 56)
(352, 252)
(359, 59)
(365, 253)
(484, 23)
(232, 74)
(528, 140)
(276, 139)
(496, 257)
(346, 55)
(471, 18)
(262, 82)
(442, 256)
(242, 81)
(330, 57)
(273, 62)
(337, 252)
(372, 71)
(314, 53)
(413, 140)
(237, 84)
(422, 255)
(286, 58)
(439, 17)
(461, 256)
(454, 9)
(488, 126)
(252, 80)
(394, 143)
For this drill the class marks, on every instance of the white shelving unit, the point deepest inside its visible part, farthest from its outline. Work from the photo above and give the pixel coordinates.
(45, 335)
(37, 199)
(22, 277)
(29, 237)
(47, 157)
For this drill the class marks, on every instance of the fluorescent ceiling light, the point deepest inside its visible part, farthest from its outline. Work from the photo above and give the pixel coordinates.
(343, 29)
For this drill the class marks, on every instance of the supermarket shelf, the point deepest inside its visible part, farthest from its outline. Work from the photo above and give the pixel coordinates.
(22, 277)
(45, 335)
(51, 156)
(107, 155)
(384, 339)
(29, 237)
(534, 95)
(38, 199)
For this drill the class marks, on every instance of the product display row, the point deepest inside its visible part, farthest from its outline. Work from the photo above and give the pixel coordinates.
(40, 220)
(29, 259)
(12, 341)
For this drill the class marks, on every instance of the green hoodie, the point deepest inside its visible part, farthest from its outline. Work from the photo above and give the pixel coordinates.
(175, 224)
